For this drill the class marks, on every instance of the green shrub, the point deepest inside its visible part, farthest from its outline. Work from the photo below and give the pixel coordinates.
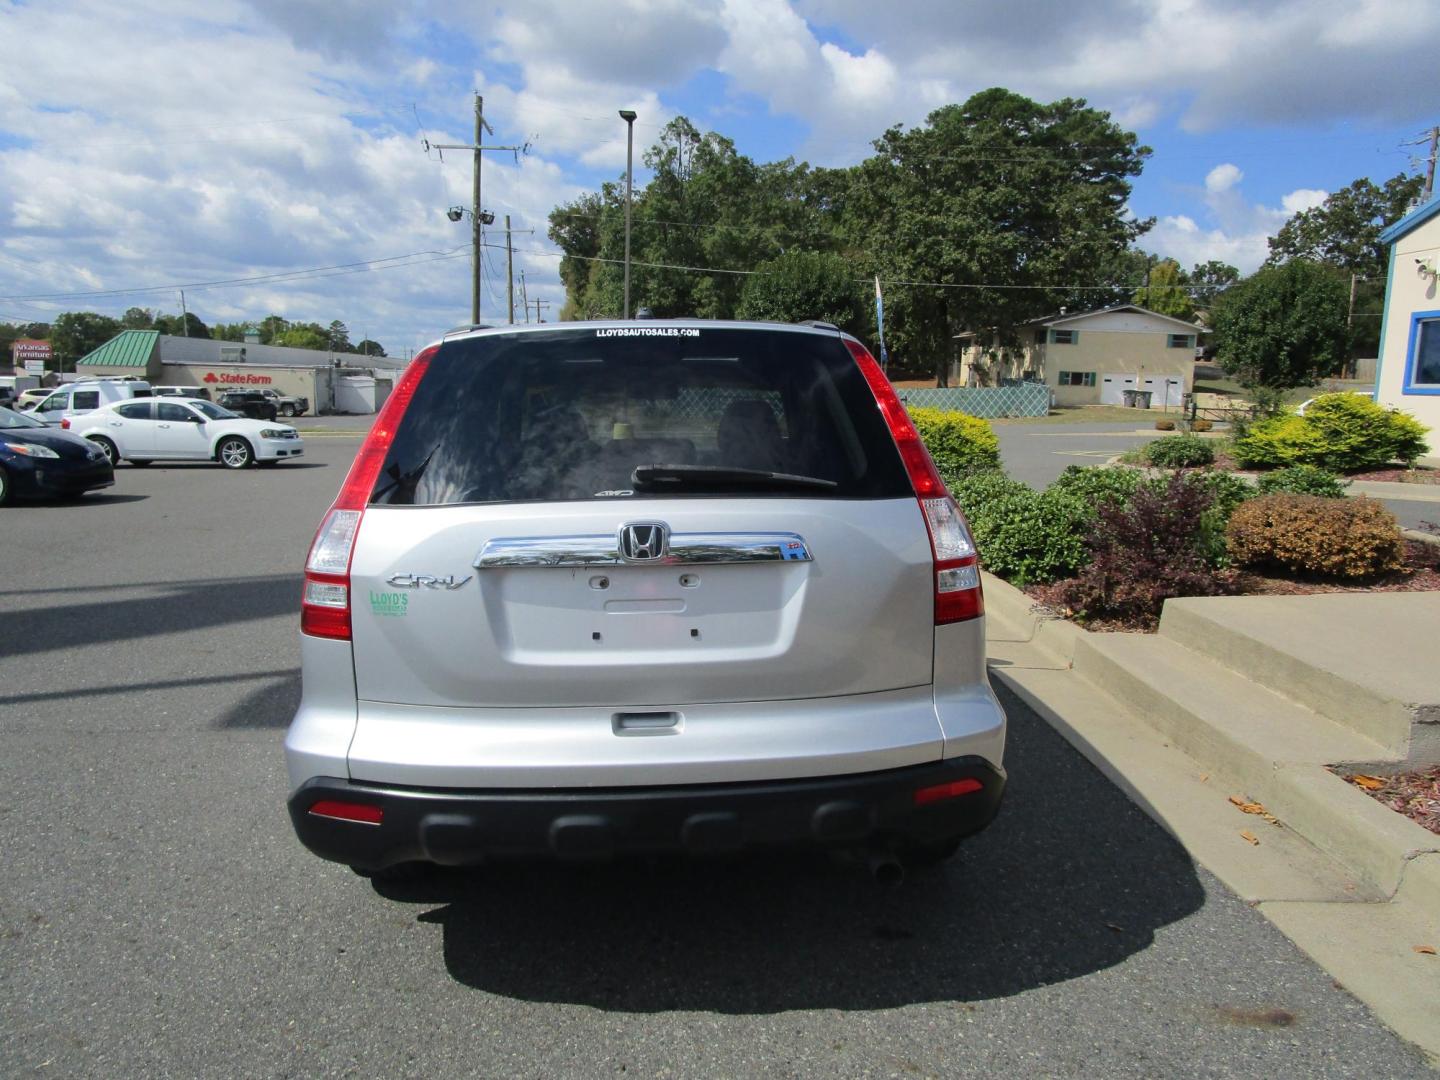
(974, 488)
(1094, 485)
(1302, 480)
(1339, 432)
(1028, 536)
(1305, 534)
(1179, 452)
(956, 441)
(1227, 491)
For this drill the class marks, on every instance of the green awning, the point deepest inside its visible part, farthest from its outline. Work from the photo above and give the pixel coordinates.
(128, 349)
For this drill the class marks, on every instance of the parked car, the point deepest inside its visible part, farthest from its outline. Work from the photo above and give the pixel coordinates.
(28, 399)
(183, 429)
(182, 391)
(251, 403)
(85, 395)
(285, 404)
(36, 460)
(594, 589)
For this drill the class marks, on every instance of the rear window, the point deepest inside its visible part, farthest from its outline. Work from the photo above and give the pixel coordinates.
(567, 415)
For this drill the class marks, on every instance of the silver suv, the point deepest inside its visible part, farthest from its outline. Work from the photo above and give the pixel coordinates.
(596, 589)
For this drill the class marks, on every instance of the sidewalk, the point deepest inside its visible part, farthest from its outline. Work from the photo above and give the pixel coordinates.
(1245, 700)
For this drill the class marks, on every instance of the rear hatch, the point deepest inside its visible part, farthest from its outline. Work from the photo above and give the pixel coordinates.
(641, 516)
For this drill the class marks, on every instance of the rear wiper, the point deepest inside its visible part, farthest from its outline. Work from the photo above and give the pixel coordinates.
(721, 476)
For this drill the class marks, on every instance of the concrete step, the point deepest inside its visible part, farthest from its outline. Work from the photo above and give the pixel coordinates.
(1364, 661)
(1220, 718)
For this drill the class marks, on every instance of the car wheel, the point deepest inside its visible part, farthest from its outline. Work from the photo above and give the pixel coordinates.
(4, 486)
(109, 448)
(287, 410)
(234, 453)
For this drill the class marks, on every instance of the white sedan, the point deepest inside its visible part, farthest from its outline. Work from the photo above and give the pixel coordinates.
(143, 430)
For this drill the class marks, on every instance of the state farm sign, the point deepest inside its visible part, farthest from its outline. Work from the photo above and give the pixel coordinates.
(236, 378)
(29, 349)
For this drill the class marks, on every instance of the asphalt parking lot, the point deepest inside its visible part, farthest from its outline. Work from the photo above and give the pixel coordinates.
(157, 917)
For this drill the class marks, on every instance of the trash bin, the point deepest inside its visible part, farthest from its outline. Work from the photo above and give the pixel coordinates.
(1142, 398)
(1128, 398)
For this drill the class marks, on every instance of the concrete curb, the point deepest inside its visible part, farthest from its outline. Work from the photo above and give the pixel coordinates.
(1336, 817)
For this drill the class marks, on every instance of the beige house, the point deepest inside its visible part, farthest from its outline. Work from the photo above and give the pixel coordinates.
(1093, 357)
(1408, 378)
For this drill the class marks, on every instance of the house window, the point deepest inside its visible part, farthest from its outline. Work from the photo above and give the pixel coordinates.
(1422, 366)
(1181, 341)
(1064, 337)
(1077, 378)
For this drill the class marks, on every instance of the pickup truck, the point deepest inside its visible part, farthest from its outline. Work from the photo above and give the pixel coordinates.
(284, 405)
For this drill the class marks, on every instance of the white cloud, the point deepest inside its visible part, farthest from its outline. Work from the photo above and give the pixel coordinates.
(1240, 230)
(1223, 178)
(1303, 199)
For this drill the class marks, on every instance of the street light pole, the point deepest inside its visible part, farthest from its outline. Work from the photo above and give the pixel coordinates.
(628, 115)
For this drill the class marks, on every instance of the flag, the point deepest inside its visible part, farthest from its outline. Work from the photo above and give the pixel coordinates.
(880, 322)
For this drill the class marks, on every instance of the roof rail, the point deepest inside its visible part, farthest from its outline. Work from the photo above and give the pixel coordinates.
(819, 325)
(465, 328)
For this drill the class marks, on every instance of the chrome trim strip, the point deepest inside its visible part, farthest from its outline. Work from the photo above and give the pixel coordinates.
(686, 549)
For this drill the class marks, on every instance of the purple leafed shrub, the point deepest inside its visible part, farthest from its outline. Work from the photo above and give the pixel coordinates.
(1143, 553)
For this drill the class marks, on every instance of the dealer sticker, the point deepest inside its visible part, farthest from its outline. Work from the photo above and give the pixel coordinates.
(389, 603)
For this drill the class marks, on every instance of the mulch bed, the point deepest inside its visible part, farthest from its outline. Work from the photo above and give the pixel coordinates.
(1417, 475)
(1421, 573)
(1416, 795)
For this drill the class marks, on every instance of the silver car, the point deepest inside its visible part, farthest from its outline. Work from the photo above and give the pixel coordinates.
(595, 589)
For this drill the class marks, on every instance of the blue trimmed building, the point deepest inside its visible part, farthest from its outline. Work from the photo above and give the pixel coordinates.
(1409, 374)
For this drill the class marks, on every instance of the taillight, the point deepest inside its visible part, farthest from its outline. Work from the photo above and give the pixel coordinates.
(958, 595)
(65, 423)
(325, 606)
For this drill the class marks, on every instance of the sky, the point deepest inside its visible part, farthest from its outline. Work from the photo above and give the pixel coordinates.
(269, 156)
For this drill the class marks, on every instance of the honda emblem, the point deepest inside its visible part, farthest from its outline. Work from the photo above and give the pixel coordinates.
(644, 541)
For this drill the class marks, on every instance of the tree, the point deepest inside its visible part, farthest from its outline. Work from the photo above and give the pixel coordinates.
(1344, 232)
(1209, 279)
(137, 318)
(187, 325)
(1165, 291)
(337, 337)
(304, 336)
(370, 348)
(993, 207)
(76, 333)
(802, 285)
(1283, 326)
(271, 327)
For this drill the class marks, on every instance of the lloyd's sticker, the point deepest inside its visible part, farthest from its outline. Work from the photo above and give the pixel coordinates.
(389, 603)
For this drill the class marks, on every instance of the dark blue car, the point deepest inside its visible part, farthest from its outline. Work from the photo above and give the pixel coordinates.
(38, 461)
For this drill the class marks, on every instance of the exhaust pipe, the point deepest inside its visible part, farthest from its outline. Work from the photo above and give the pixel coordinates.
(886, 869)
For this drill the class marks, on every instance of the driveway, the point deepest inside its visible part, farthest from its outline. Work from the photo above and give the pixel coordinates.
(157, 916)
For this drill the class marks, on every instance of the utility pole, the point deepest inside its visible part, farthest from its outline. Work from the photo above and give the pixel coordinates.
(184, 316)
(524, 299)
(1430, 168)
(538, 305)
(628, 115)
(477, 215)
(509, 272)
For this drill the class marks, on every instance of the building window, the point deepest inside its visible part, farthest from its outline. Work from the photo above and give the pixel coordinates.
(1181, 341)
(1422, 366)
(1064, 337)
(1077, 378)
(232, 354)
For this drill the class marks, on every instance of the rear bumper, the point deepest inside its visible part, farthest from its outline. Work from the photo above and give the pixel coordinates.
(457, 828)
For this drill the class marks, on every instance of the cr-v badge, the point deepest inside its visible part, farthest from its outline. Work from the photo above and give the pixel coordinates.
(425, 581)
